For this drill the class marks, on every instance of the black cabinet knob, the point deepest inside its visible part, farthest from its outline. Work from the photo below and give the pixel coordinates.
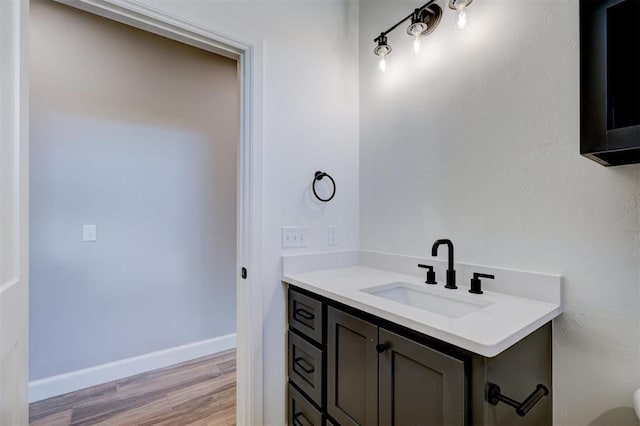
(381, 347)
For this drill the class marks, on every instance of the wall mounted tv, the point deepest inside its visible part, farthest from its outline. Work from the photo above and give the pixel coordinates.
(610, 81)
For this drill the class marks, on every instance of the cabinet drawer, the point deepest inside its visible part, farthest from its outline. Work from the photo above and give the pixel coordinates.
(306, 367)
(306, 316)
(301, 412)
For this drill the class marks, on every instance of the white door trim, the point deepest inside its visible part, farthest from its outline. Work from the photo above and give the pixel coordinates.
(14, 212)
(249, 53)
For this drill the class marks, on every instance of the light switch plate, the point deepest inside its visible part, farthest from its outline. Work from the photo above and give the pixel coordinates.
(294, 236)
(332, 235)
(89, 233)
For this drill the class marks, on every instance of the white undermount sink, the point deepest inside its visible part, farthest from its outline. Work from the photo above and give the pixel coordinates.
(453, 305)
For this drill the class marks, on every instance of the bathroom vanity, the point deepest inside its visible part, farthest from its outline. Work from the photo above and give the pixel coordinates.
(363, 349)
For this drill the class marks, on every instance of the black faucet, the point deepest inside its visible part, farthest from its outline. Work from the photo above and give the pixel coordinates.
(451, 273)
(476, 284)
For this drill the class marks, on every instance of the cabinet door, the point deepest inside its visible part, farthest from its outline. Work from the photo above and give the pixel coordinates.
(352, 369)
(419, 385)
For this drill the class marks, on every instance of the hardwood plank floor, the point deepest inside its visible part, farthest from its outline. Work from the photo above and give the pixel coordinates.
(201, 392)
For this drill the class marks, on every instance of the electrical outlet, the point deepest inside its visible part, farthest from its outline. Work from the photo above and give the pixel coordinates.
(294, 236)
(89, 233)
(332, 237)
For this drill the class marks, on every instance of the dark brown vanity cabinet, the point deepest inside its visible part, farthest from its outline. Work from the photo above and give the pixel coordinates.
(352, 369)
(379, 377)
(306, 360)
(347, 367)
(419, 385)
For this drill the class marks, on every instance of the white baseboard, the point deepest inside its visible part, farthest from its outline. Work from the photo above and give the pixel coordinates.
(80, 379)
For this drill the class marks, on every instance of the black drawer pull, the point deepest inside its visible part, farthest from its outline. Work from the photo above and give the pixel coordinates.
(305, 314)
(308, 368)
(297, 419)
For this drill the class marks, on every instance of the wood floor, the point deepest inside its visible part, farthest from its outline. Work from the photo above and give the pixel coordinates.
(201, 392)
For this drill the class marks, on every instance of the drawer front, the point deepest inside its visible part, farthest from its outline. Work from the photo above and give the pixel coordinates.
(306, 367)
(301, 412)
(306, 316)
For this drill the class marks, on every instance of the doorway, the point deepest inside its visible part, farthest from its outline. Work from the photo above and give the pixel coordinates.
(133, 161)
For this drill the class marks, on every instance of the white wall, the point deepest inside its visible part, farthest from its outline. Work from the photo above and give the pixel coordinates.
(310, 123)
(138, 135)
(477, 139)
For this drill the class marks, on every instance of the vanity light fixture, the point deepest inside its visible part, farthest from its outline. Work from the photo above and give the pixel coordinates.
(424, 20)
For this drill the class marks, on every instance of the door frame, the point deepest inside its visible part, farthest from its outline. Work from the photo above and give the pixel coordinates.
(248, 52)
(14, 214)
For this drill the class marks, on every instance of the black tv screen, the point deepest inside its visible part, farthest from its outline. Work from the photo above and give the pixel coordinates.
(623, 64)
(610, 81)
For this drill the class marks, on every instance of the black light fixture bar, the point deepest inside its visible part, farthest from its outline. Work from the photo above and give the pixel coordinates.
(411, 15)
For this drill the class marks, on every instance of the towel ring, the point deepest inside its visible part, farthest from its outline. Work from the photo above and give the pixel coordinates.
(319, 176)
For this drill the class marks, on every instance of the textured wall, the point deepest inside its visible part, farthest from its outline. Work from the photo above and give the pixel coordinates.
(138, 135)
(477, 139)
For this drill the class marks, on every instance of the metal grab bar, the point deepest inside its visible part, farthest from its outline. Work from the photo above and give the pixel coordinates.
(494, 397)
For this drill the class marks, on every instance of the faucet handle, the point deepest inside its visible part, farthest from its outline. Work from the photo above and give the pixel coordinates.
(476, 283)
(431, 274)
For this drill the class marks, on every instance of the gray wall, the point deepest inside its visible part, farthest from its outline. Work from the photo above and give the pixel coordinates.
(477, 139)
(138, 135)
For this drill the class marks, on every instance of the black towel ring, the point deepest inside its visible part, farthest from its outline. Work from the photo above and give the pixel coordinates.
(318, 176)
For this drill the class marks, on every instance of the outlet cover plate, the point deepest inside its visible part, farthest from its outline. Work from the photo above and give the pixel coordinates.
(89, 233)
(332, 237)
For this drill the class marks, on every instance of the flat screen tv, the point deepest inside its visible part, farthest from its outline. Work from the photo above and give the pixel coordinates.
(610, 81)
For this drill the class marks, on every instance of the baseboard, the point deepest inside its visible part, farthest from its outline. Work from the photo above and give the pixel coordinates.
(80, 379)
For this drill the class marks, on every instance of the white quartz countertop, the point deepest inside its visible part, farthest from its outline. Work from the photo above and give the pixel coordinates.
(487, 331)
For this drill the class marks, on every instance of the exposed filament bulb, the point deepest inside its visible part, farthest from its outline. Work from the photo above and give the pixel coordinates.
(382, 50)
(461, 21)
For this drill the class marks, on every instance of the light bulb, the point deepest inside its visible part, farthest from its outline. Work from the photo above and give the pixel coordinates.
(461, 22)
(382, 50)
(415, 30)
(383, 64)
